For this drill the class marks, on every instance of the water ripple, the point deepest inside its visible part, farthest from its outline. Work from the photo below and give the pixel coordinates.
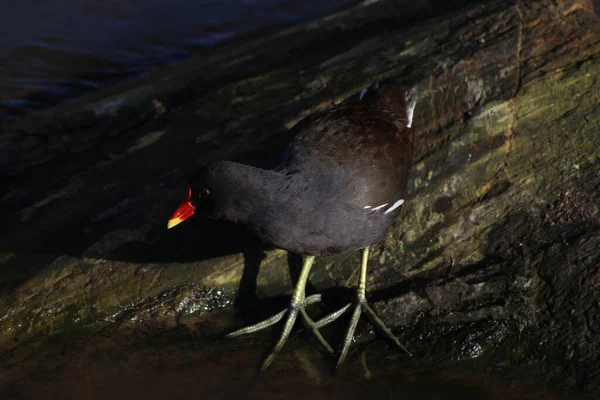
(54, 51)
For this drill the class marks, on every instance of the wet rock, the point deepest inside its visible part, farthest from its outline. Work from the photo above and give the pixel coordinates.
(493, 261)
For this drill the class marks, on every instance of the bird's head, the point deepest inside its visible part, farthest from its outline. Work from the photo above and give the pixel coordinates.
(200, 198)
(222, 190)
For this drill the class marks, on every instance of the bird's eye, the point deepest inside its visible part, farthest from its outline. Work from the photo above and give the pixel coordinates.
(204, 193)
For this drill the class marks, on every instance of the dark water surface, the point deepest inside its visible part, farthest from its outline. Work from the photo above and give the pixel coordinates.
(50, 51)
(180, 364)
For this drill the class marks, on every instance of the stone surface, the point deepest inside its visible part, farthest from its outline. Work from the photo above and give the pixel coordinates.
(494, 259)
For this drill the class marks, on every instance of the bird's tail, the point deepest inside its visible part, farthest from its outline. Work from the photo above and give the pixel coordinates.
(392, 97)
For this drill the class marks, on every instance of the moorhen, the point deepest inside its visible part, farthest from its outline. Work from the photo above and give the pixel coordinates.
(339, 189)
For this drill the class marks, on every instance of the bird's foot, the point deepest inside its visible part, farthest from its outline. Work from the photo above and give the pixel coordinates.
(292, 313)
(360, 306)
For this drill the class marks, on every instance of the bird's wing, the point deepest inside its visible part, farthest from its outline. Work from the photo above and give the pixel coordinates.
(354, 153)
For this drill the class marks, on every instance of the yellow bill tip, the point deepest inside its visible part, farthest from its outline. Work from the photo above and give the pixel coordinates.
(173, 222)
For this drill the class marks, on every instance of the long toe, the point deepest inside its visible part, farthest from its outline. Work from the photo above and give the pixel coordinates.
(379, 324)
(258, 326)
(272, 320)
(349, 334)
(313, 327)
(287, 328)
(360, 307)
(292, 314)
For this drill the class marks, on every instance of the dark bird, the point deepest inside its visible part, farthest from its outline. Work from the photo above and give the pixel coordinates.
(339, 189)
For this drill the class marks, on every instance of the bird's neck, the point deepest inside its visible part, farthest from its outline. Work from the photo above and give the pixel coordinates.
(248, 192)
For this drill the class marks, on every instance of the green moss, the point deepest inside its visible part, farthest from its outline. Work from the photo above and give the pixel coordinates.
(494, 141)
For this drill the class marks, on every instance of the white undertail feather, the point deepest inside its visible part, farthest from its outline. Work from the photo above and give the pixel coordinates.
(389, 210)
(394, 206)
(362, 93)
(411, 102)
(379, 207)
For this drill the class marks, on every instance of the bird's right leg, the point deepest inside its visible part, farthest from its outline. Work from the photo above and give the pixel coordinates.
(297, 305)
(360, 306)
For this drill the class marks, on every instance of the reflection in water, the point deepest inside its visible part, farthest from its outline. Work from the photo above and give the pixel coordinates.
(50, 51)
(186, 363)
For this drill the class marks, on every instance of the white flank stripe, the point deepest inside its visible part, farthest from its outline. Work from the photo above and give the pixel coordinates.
(411, 102)
(396, 205)
(362, 94)
(381, 206)
(365, 207)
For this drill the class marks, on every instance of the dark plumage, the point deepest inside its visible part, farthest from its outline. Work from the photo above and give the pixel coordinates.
(339, 188)
(339, 162)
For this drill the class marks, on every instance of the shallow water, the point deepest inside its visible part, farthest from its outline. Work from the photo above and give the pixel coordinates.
(178, 363)
(50, 51)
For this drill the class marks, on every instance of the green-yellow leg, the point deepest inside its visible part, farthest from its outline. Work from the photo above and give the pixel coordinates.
(297, 304)
(360, 306)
